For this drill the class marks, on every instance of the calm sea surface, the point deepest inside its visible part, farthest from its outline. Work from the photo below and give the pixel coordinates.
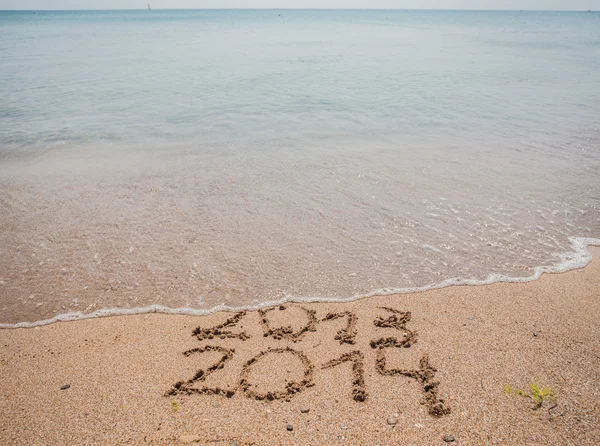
(197, 159)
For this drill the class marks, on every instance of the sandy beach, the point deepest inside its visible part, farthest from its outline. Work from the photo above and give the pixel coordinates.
(427, 368)
(285, 223)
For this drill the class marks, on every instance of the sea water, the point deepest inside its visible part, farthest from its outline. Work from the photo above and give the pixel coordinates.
(189, 161)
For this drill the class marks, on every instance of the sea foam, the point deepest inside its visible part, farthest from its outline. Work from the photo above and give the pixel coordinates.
(578, 258)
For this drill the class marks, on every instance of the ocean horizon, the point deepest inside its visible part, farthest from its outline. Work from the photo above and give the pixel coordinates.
(303, 9)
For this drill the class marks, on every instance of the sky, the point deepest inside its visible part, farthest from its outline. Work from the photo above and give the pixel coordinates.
(373, 4)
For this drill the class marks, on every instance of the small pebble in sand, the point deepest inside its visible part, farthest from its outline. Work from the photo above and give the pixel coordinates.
(305, 409)
(187, 439)
(535, 334)
(448, 438)
(65, 387)
(234, 443)
(290, 427)
(392, 420)
(281, 308)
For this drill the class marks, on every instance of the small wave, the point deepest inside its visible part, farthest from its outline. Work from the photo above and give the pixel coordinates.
(578, 258)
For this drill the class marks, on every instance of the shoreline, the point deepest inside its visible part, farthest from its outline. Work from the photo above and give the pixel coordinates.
(579, 258)
(404, 369)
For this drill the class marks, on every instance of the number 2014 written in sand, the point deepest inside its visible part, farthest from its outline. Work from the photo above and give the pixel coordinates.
(423, 375)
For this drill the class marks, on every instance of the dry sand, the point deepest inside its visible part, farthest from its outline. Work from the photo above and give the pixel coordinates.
(121, 369)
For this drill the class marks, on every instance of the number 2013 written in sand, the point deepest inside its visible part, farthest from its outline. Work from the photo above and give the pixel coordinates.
(423, 375)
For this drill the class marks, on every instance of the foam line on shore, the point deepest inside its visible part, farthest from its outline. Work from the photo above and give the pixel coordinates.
(578, 258)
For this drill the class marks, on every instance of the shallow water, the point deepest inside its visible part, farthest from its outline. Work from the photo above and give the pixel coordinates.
(195, 159)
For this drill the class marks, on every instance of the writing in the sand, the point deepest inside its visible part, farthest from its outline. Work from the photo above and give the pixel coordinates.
(423, 374)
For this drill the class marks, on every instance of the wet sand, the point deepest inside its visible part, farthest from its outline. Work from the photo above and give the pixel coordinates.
(425, 366)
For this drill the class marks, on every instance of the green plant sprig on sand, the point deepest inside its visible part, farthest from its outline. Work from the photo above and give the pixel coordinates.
(538, 395)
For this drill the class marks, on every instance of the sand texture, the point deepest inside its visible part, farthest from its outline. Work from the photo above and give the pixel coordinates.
(414, 369)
